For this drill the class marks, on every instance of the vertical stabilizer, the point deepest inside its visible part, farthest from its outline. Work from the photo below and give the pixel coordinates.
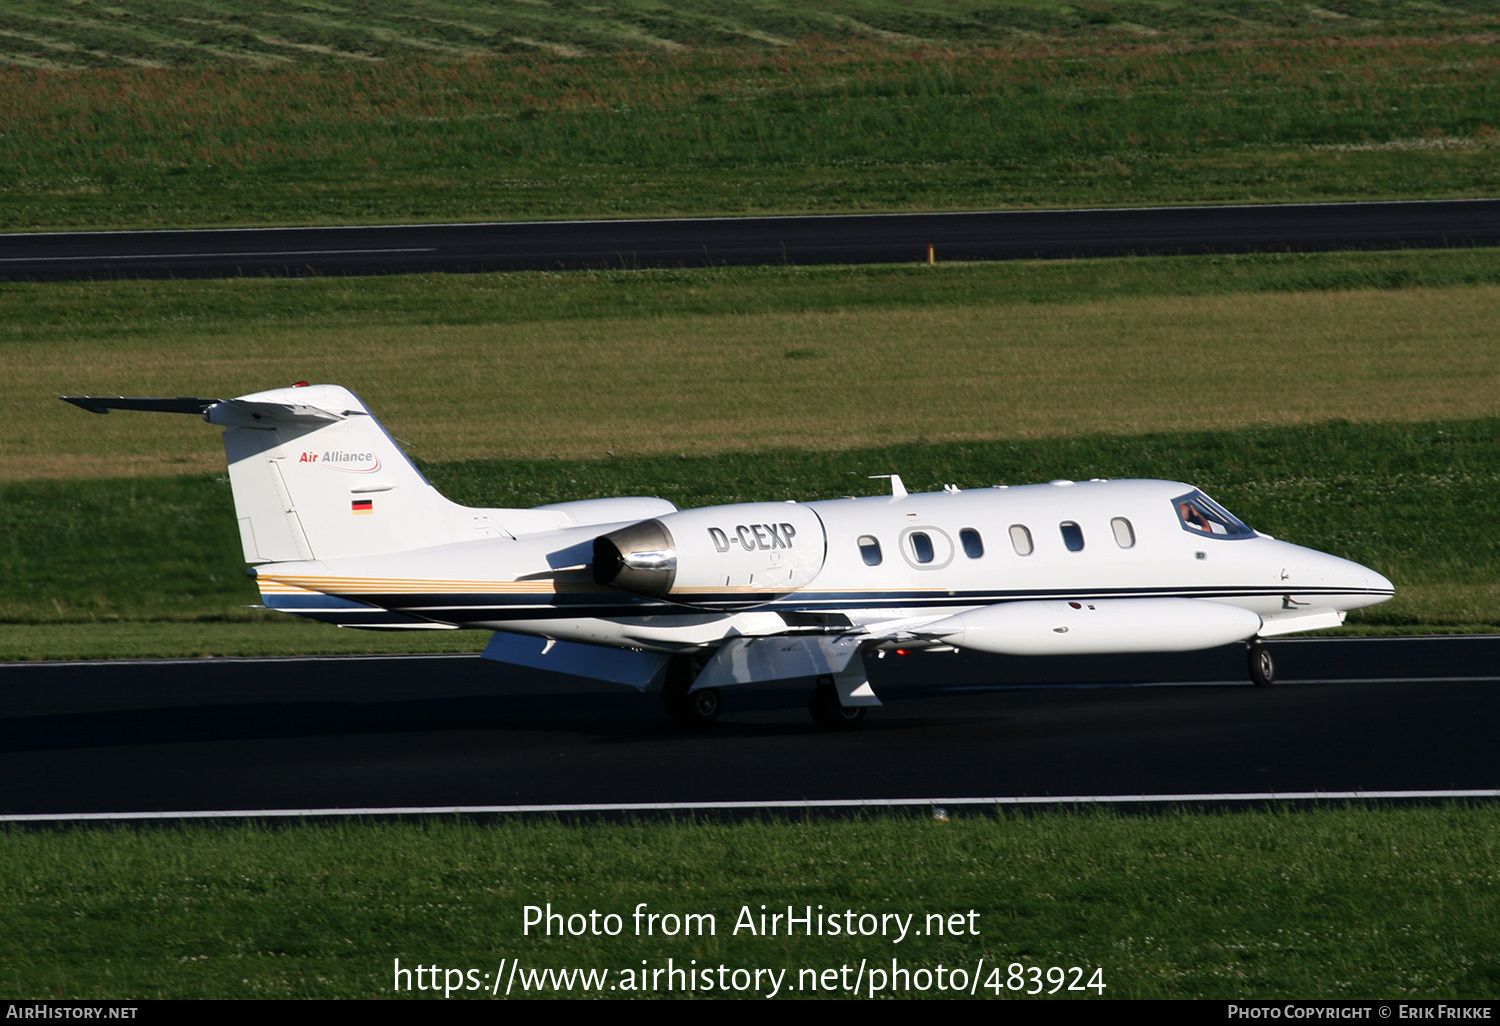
(315, 476)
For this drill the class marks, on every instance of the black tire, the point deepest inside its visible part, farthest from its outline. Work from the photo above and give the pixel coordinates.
(829, 713)
(695, 708)
(689, 708)
(1262, 665)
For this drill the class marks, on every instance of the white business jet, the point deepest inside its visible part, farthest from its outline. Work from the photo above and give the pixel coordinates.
(343, 528)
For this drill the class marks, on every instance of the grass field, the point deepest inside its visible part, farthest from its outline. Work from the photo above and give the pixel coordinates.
(774, 381)
(464, 114)
(705, 361)
(164, 33)
(1328, 903)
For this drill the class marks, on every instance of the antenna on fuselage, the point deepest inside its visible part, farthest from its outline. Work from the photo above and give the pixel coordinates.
(898, 490)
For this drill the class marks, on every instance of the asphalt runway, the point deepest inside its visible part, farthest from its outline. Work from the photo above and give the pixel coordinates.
(1347, 715)
(887, 238)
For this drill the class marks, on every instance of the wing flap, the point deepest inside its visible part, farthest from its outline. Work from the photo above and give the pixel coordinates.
(750, 660)
(635, 667)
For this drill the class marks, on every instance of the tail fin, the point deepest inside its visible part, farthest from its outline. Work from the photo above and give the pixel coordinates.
(315, 476)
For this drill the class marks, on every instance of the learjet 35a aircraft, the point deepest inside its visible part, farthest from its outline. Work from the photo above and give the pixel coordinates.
(341, 527)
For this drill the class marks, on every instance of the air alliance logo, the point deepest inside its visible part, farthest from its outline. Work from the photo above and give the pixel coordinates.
(353, 462)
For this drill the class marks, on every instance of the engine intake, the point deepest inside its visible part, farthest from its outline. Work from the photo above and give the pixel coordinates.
(640, 558)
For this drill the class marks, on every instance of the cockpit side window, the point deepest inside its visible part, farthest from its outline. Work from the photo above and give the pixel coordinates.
(1199, 514)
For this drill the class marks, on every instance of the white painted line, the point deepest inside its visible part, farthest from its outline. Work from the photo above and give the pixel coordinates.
(825, 803)
(1051, 686)
(1450, 679)
(1383, 638)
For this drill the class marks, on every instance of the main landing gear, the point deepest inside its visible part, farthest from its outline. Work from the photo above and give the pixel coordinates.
(689, 708)
(828, 712)
(702, 707)
(1262, 666)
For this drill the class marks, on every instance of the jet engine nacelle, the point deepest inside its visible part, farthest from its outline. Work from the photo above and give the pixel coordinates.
(1096, 628)
(720, 555)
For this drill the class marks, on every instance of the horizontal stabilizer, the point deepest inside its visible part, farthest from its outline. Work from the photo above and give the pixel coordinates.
(258, 413)
(617, 665)
(244, 412)
(103, 404)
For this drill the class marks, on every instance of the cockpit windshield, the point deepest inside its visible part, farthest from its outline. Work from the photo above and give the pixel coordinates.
(1202, 515)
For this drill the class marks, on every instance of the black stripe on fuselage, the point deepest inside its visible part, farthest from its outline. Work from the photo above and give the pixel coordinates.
(469, 608)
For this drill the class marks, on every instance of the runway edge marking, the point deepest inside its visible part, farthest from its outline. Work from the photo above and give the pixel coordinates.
(828, 803)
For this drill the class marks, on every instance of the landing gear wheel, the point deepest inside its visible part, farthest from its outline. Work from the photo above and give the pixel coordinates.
(690, 708)
(1262, 665)
(828, 712)
(695, 709)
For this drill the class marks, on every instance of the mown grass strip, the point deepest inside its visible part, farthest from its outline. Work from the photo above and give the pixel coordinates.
(1339, 902)
(827, 377)
(161, 33)
(145, 310)
(811, 127)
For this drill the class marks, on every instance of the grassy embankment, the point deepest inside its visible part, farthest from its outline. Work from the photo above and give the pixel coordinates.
(303, 114)
(1329, 903)
(728, 385)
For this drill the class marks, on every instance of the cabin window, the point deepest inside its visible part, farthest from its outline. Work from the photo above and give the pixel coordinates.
(921, 547)
(869, 550)
(1199, 514)
(1124, 533)
(973, 544)
(1072, 535)
(1020, 537)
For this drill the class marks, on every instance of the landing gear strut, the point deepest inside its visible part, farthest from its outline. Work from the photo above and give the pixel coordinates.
(828, 712)
(689, 708)
(1262, 666)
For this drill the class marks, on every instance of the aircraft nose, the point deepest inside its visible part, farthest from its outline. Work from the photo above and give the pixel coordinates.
(1355, 585)
(1379, 582)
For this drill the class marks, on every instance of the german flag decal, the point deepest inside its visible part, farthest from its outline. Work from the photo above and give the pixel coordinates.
(359, 506)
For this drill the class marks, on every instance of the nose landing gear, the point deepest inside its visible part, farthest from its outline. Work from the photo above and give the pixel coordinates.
(1262, 666)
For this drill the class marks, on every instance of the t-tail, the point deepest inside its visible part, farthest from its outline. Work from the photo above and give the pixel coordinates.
(315, 476)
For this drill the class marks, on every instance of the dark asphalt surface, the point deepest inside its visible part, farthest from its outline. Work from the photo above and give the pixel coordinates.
(1348, 714)
(894, 238)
